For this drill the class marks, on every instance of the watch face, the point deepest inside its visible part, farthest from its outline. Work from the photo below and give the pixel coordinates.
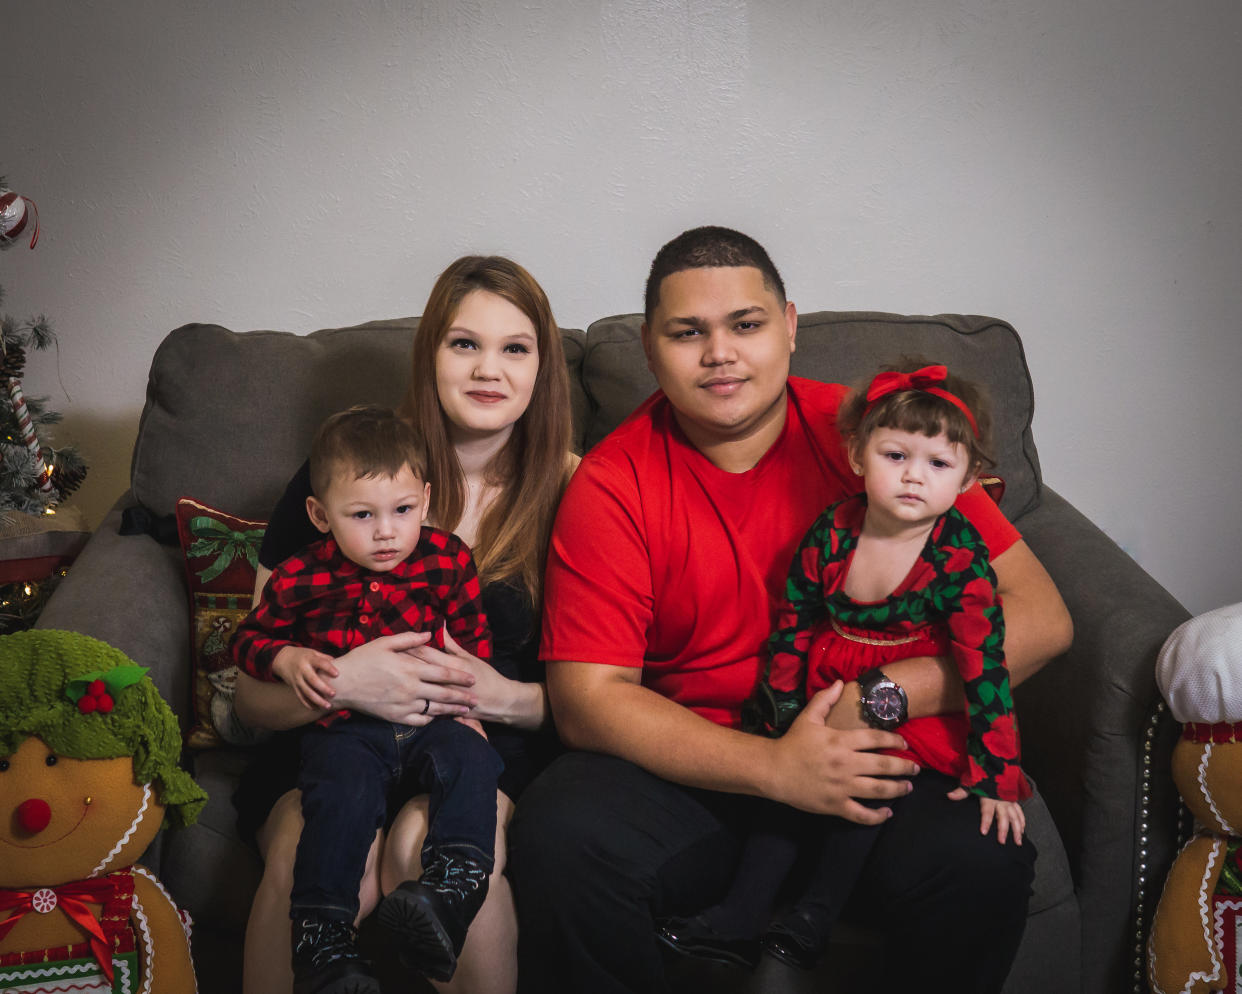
(886, 703)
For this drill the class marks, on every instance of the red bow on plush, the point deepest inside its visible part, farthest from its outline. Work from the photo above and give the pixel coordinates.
(72, 898)
(925, 380)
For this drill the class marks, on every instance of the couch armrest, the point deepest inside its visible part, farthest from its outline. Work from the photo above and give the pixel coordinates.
(1096, 736)
(129, 591)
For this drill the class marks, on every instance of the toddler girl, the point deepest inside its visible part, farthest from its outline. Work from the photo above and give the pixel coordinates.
(890, 573)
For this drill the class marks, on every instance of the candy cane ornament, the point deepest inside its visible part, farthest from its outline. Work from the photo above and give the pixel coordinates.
(25, 424)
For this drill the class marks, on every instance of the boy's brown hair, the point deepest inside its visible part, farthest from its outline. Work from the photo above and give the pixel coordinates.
(366, 440)
(922, 413)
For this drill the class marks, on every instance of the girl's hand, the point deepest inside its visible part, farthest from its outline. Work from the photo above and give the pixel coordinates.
(388, 679)
(308, 672)
(496, 697)
(1007, 815)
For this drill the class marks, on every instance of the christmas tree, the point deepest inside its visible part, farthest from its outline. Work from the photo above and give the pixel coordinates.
(34, 476)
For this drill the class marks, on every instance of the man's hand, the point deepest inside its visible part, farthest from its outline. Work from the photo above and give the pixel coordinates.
(823, 770)
(818, 769)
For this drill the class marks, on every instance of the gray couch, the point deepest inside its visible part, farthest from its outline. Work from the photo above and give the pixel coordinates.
(228, 418)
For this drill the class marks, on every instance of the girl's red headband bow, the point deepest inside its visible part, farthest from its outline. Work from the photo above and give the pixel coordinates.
(924, 380)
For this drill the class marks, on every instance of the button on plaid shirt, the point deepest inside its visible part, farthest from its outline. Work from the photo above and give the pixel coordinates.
(320, 600)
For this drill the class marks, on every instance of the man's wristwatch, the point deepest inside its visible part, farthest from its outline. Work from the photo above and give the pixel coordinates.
(882, 702)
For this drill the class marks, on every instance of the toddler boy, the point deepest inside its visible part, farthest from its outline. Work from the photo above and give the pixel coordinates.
(379, 571)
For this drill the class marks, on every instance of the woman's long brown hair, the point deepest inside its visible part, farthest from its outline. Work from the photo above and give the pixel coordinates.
(532, 469)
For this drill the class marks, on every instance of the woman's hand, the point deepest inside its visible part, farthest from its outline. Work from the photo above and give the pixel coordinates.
(389, 678)
(496, 697)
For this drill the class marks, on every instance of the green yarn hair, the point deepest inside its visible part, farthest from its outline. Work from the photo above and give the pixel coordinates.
(36, 668)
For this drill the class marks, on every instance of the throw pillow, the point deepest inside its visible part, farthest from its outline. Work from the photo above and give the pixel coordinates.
(994, 487)
(221, 555)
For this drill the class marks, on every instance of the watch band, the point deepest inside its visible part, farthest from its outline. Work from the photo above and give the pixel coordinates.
(869, 679)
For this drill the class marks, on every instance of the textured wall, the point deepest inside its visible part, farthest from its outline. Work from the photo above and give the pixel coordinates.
(1073, 167)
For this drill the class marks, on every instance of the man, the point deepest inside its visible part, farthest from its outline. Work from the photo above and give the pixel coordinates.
(668, 559)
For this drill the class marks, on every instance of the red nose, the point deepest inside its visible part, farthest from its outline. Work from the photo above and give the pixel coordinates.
(33, 815)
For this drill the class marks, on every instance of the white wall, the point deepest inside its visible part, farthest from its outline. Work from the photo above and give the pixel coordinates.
(1071, 166)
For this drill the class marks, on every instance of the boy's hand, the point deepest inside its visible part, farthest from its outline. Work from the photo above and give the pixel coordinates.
(304, 670)
(1007, 815)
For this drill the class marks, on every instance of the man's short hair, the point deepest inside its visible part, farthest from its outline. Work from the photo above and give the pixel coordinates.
(366, 441)
(708, 247)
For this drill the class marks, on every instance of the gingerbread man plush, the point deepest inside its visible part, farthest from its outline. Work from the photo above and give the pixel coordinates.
(88, 773)
(1196, 938)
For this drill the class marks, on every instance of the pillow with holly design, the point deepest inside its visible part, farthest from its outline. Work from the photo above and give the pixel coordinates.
(220, 553)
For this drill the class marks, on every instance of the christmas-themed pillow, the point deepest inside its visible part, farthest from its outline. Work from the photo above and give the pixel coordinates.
(221, 556)
(994, 487)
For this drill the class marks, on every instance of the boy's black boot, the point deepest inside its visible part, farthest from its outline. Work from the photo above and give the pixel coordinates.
(430, 915)
(326, 959)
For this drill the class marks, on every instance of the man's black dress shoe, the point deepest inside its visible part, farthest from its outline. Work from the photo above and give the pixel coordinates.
(694, 937)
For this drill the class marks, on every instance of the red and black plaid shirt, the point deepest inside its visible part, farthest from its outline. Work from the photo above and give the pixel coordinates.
(318, 599)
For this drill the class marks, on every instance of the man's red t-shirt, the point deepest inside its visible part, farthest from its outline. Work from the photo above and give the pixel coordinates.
(663, 561)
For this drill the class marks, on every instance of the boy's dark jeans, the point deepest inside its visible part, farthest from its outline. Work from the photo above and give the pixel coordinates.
(349, 770)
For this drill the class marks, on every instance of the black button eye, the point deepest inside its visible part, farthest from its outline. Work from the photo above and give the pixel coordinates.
(51, 761)
(4, 765)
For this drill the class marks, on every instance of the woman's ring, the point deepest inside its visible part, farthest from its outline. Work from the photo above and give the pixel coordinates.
(426, 705)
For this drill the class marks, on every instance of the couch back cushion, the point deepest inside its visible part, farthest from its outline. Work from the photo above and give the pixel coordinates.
(841, 347)
(229, 415)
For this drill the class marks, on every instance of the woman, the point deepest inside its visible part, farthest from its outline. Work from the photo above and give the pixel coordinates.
(490, 393)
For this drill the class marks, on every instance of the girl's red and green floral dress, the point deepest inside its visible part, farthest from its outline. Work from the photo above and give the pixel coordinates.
(946, 605)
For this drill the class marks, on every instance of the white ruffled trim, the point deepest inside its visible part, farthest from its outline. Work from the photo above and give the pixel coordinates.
(1224, 826)
(84, 976)
(1218, 925)
(187, 922)
(182, 917)
(133, 827)
(143, 931)
(1205, 918)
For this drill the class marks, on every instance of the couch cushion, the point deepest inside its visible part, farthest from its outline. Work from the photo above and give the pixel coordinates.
(841, 347)
(229, 416)
(207, 868)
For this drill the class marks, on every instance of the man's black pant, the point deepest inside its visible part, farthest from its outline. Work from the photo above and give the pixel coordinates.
(600, 849)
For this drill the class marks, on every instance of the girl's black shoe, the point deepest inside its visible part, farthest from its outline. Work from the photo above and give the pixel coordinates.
(797, 939)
